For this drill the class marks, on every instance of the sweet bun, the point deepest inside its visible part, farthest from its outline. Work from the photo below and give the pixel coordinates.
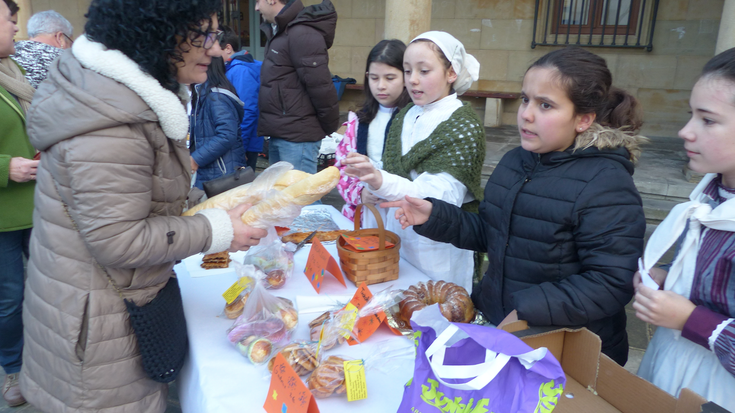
(328, 378)
(234, 309)
(276, 279)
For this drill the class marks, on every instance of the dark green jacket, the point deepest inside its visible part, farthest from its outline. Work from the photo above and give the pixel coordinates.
(16, 199)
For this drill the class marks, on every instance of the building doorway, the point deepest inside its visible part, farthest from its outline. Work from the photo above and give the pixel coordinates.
(241, 16)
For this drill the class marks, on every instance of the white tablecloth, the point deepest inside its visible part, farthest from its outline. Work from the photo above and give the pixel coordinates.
(216, 378)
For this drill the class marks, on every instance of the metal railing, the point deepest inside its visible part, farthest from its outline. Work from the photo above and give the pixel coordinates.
(595, 23)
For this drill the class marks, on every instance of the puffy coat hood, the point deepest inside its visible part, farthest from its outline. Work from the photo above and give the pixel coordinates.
(84, 97)
(322, 17)
(598, 141)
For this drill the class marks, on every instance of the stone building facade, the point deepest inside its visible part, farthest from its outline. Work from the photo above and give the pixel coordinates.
(499, 33)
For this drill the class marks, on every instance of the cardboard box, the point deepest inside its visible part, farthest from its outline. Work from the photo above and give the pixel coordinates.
(595, 383)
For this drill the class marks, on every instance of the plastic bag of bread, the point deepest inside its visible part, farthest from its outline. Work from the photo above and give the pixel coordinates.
(273, 258)
(282, 207)
(301, 355)
(265, 324)
(247, 276)
(332, 328)
(328, 378)
(278, 176)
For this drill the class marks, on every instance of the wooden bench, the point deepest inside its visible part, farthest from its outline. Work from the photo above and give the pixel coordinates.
(493, 102)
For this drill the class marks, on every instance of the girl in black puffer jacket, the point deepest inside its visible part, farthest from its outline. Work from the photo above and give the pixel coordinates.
(561, 221)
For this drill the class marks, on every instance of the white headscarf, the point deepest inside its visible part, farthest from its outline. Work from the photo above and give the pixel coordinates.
(464, 64)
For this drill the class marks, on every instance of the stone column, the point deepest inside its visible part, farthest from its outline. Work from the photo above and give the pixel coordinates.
(726, 36)
(25, 13)
(406, 19)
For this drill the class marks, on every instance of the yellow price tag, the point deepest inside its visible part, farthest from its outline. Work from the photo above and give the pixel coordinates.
(349, 317)
(233, 292)
(236, 289)
(355, 380)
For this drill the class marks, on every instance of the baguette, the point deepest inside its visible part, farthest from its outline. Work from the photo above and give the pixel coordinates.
(288, 201)
(239, 195)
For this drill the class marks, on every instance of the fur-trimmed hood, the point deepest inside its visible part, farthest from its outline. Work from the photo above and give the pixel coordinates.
(602, 137)
(94, 88)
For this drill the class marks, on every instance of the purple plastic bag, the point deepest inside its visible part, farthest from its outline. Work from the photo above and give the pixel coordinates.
(466, 368)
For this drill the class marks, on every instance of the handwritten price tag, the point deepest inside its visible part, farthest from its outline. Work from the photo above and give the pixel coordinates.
(355, 382)
(287, 393)
(366, 326)
(319, 263)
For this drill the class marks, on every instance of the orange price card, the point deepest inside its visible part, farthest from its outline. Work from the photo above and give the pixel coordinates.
(320, 262)
(363, 244)
(287, 393)
(365, 326)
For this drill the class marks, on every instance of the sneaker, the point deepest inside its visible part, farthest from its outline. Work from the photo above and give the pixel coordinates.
(11, 390)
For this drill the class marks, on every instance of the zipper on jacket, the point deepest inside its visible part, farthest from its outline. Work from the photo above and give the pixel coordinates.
(280, 99)
(515, 198)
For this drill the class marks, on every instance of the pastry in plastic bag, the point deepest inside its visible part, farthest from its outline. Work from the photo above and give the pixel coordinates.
(264, 316)
(328, 378)
(301, 357)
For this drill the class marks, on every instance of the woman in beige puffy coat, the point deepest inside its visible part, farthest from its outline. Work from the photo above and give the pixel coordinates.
(112, 135)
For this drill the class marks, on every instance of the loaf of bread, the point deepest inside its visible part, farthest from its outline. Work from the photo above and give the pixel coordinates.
(281, 205)
(244, 194)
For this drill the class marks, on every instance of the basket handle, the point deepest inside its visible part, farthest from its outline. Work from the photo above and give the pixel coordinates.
(381, 228)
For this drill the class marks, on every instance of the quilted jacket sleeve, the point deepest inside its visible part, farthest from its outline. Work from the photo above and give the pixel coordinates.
(310, 59)
(114, 197)
(609, 225)
(451, 224)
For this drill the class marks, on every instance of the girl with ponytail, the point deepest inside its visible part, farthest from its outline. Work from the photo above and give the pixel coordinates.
(561, 219)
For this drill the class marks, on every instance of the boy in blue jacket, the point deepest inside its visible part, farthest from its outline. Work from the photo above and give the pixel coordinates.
(243, 71)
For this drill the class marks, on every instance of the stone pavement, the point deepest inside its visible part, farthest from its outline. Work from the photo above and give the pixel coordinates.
(658, 176)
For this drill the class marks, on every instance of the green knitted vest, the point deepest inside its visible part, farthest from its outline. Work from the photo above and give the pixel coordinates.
(457, 147)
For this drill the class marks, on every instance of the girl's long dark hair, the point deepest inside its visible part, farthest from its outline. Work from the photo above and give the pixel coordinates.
(389, 52)
(588, 83)
(215, 79)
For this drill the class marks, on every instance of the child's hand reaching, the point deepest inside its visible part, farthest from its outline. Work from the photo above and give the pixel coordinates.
(411, 211)
(662, 308)
(360, 166)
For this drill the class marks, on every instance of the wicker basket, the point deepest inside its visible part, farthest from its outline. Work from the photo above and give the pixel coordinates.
(370, 267)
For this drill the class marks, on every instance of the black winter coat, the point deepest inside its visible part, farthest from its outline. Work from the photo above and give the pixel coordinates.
(298, 100)
(563, 232)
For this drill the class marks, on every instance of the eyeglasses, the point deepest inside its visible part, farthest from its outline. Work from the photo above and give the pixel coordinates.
(68, 39)
(212, 37)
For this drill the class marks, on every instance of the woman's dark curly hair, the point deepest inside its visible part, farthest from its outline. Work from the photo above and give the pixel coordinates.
(152, 33)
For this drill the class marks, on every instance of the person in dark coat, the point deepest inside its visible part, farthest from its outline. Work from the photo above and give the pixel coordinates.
(298, 101)
(215, 145)
(561, 220)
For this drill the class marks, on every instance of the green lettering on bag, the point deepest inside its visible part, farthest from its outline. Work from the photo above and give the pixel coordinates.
(548, 397)
(434, 398)
(416, 337)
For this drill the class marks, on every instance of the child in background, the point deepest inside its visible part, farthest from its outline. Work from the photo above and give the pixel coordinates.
(215, 145)
(694, 344)
(243, 71)
(561, 221)
(435, 148)
(368, 128)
